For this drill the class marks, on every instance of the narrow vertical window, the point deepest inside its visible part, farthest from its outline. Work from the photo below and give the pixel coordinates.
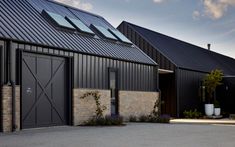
(114, 92)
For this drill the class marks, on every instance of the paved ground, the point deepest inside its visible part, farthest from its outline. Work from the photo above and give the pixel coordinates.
(132, 135)
(203, 121)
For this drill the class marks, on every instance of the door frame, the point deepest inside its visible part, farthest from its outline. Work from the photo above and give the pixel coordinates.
(69, 73)
(1, 79)
(168, 99)
(115, 70)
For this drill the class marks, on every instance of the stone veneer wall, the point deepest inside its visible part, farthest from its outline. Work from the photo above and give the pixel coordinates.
(136, 103)
(84, 109)
(7, 108)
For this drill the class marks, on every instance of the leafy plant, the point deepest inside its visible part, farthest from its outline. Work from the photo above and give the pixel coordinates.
(211, 81)
(104, 121)
(155, 111)
(132, 118)
(194, 114)
(144, 118)
(149, 119)
(164, 119)
(99, 109)
(161, 119)
(153, 117)
(216, 104)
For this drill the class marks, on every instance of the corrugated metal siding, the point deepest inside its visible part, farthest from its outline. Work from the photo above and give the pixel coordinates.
(21, 20)
(225, 94)
(188, 89)
(143, 44)
(92, 71)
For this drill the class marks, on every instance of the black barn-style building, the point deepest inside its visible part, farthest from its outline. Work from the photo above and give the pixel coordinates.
(182, 66)
(49, 49)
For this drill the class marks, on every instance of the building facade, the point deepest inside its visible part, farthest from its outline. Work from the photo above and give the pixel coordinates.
(182, 67)
(52, 54)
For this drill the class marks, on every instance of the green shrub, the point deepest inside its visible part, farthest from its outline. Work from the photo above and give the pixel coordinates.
(154, 119)
(164, 119)
(144, 118)
(194, 114)
(160, 119)
(104, 121)
(132, 118)
(211, 81)
(216, 104)
(114, 120)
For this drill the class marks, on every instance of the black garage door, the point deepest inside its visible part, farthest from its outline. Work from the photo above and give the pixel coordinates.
(44, 91)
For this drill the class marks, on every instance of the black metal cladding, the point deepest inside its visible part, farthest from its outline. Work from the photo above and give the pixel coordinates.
(164, 62)
(21, 20)
(188, 83)
(189, 62)
(92, 71)
(176, 52)
(225, 95)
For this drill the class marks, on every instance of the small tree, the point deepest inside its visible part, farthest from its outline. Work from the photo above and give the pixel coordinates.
(211, 81)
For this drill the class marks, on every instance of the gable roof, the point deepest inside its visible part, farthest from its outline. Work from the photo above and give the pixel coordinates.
(186, 55)
(21, 20)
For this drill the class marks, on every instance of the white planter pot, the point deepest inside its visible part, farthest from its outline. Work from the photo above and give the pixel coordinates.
(209, 109)
(217, 111)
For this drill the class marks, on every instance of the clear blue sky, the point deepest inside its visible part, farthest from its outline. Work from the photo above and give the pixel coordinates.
(196, 21)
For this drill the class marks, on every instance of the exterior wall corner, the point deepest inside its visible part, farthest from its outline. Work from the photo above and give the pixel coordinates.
(7, 125)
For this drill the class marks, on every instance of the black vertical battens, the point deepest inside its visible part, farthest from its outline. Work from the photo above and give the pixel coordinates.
(92, 71)
(2, 52)
(177, 85)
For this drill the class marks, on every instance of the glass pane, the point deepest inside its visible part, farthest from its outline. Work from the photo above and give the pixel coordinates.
(80, 25)
(112, 80)
(105, 32)
(120, 36)
(60, 20)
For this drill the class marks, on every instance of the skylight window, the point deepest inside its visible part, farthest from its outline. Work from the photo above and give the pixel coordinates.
(104, 32)
(80, 26)
(120, 36)
(58, 19)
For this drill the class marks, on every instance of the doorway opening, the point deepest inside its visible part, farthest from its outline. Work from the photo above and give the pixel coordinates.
(168, 93)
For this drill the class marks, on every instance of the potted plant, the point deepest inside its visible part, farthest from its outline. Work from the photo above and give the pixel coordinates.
(211, 81)
(217, 109)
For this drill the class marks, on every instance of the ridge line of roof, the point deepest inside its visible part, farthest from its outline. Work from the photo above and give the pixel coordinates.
(150, 43)
(201, 48)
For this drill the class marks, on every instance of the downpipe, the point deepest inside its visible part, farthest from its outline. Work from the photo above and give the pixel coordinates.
(12, 84)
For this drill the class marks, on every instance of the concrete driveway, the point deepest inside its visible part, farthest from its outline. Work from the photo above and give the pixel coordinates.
(132, 135)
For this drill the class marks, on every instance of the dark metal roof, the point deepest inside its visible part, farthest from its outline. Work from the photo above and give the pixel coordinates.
(22, 20)
(186, 55)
